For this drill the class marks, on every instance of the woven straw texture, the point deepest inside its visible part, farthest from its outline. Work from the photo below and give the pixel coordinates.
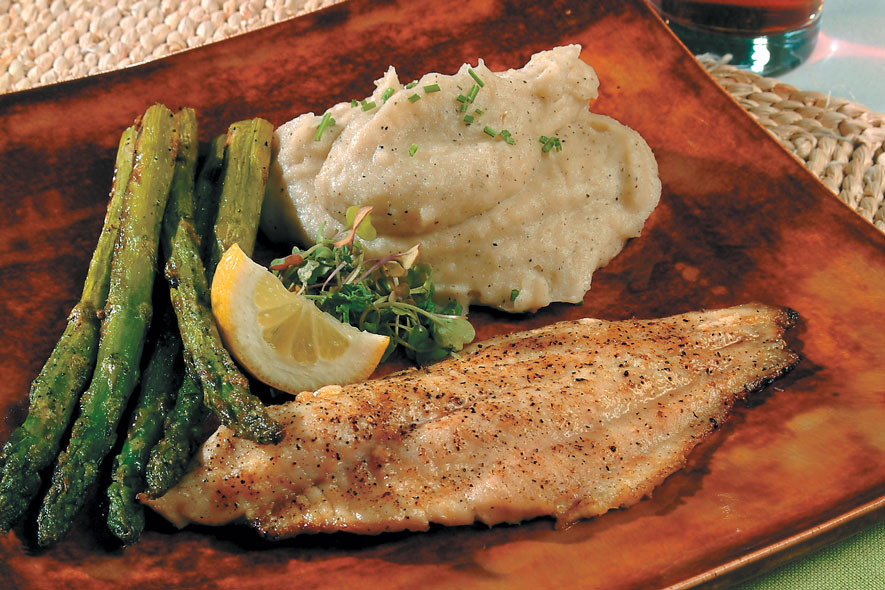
(47, 41)
(841, 142)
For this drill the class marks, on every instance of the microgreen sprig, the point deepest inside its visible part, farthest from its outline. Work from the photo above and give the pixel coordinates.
(392, 296)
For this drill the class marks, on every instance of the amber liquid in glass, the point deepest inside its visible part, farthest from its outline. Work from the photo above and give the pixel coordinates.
(764, 36)
(752, 17)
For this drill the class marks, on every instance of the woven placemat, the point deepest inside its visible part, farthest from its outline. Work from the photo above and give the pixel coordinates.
(841, 142)
(46, 41)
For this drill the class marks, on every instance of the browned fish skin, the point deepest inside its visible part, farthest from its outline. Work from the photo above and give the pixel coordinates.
(569, 420)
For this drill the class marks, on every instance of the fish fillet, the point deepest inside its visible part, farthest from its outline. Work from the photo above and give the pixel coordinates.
(569, 420)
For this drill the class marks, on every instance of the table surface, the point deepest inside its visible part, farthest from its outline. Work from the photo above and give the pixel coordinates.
(849, 57)
(847, 62)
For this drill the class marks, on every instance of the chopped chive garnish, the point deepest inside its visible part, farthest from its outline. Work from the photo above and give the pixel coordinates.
(387, 94)
(550, 143)
(468, 119)
(463, 107)
(411, 84)
(326, 122)
(461, 98)
(489, 131)
(475, 77)
(368, 106)
(413, 148)
(473, 90)
(414, 97)
(431, 88)
(478, 112)
(354, 103)
(505, 135)
(514, 293)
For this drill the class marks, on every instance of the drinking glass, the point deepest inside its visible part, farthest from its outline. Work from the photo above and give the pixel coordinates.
(765, 36)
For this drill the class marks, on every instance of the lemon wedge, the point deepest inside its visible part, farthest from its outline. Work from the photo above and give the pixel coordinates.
(282, 338)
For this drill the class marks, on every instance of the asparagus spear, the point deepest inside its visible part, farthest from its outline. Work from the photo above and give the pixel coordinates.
(125, 515)
(206, 194)
(55, 391)
(225, 389)
(181, 191)
(170, 456)
(247, 157)
(127, 315)
(181, 431)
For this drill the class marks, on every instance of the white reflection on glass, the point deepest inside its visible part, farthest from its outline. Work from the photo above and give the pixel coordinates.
(760, 56)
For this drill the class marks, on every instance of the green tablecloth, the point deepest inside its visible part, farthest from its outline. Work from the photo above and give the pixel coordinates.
(856, 563)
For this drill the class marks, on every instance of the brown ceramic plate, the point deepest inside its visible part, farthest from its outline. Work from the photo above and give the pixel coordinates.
(739, 220)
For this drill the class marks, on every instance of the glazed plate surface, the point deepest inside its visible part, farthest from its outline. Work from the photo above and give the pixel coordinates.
(739, 220)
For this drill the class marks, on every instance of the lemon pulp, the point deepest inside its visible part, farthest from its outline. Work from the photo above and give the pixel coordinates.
(292, 325)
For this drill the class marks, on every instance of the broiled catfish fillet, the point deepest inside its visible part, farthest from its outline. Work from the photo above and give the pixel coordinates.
(569, 420)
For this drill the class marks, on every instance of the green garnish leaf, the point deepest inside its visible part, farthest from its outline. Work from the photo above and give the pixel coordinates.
(393, 296)
(414, 98)
(387, 94)
(307, 271)
(453, 332)
(411, 84)
(354, 103)
(359, 219)
(474, 90)
(489, 131)
(431, 88)
(368, 106)
(468, 119)
(513, 295)
(413, 148)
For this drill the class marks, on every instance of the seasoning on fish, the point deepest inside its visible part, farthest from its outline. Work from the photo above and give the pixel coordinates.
(570, 420)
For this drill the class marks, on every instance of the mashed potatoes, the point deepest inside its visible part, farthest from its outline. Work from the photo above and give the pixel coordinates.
(504, 219)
